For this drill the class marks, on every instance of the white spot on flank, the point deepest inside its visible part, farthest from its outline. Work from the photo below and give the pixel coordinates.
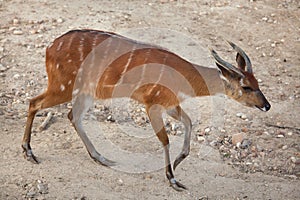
(95, 40)
(160, 74)
(81, 48)
(57, 66)
(128, 62)
(126, 66)
(71, 41)
(59, 46)
(70, 81)
(62, 87)
(70, 60)
(157, 93)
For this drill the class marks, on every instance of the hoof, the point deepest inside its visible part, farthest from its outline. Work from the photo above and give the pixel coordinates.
(28, 155)
(104, 161)
(177, 185)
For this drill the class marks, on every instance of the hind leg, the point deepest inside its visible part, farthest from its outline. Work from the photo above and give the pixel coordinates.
(76, 121)
(40, 102)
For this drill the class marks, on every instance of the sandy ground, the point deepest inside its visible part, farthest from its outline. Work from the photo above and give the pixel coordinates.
(269, 31)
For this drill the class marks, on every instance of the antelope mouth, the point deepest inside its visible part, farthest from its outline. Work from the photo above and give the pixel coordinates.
(265, 108)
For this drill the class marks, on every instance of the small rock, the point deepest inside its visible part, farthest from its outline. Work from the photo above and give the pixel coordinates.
(237, 138)
(16, 76)
(293, 159)
(244, 117)
(259, 80)
(284, 147)
(31, 194)
(18, 32)
(110, 118)
(213, 143)
(207, 130)
(2, 68)
(33, 31)
(42, 187)
(120, 181)
(200, 138)
(290, 133)
(245, 144)
(239, 114)
(280, 136)
(60, 20)
(16, 21)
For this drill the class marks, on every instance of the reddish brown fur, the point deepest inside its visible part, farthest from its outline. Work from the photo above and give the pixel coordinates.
(164, 81)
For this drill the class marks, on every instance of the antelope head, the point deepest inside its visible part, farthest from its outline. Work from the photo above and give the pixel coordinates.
(240, 83)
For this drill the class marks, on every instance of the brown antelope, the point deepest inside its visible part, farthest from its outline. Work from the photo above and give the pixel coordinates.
(164, 73)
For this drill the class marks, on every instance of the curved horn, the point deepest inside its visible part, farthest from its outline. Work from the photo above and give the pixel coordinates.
(244, 55)
(225, 64)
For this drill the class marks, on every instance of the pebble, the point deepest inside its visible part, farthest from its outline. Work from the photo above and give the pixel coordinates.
(245, 144)
(16, 76)
(239, 114)
(200, 138)
(280, 136)
(16, 21)
(18, 32)
(207, 130)
(42, 187)
(2, 68)
(290, 133)
(31, 194)
(237, 138)
(213, 143)
(293, 159)
(259, 80)
(60, 20)
(120, 181)
(284, 147)
(244, 117)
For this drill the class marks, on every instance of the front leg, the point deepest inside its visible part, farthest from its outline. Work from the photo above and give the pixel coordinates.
(178, 114)
(155, 116)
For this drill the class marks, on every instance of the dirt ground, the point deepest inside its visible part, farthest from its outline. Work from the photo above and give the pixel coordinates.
(266, 166)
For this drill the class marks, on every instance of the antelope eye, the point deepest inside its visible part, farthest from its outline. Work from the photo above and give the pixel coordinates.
(246, 88)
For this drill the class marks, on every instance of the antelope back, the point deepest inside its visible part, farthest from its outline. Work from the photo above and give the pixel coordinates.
(156, 75)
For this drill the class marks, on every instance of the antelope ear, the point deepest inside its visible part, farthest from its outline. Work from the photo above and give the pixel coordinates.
(240, 62)
(229, 72)
(223, 70)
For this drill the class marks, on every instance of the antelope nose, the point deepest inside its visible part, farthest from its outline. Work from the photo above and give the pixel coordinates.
(267, 106)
